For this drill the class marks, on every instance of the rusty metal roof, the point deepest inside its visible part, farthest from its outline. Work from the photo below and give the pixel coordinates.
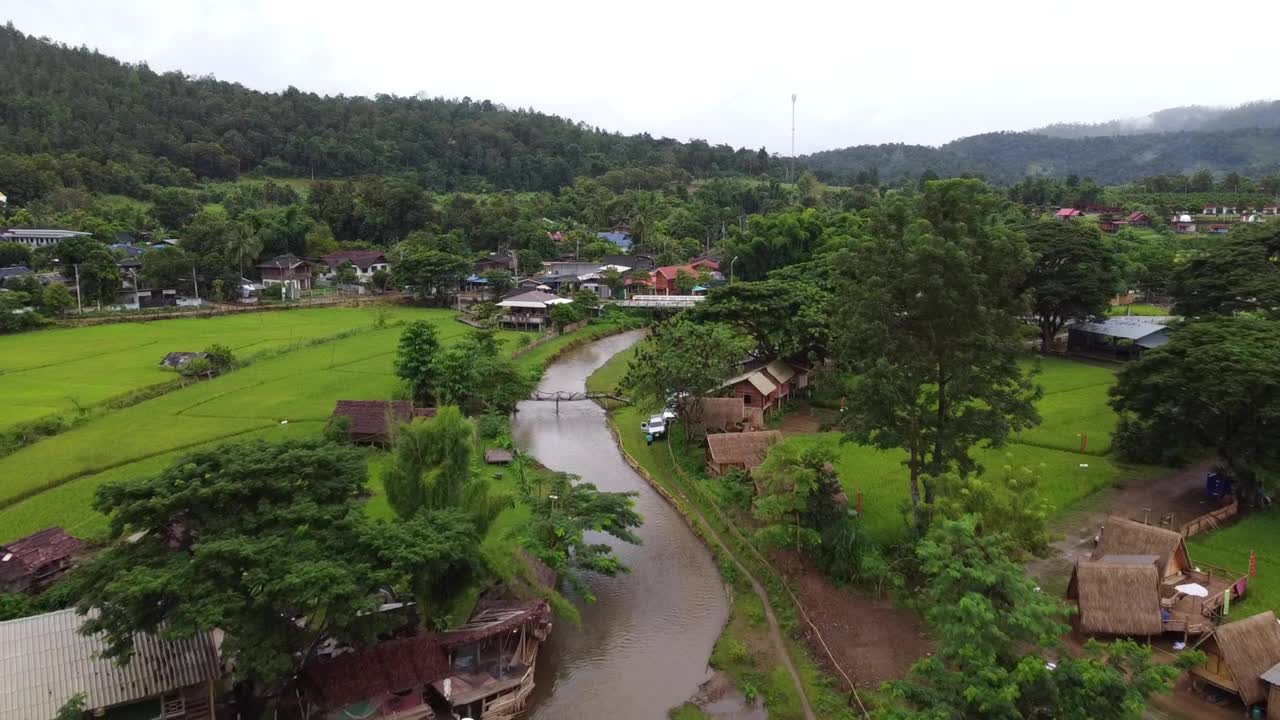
(44, 660)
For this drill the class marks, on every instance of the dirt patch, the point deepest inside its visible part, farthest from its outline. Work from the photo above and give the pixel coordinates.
(720, 699)
(1177, 497)
(1186, 703)
(804, 419)
(872, 640)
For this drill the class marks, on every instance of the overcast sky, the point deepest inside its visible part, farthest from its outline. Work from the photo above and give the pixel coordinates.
(865, 72)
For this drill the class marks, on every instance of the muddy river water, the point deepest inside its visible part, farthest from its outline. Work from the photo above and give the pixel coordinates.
(642, 647)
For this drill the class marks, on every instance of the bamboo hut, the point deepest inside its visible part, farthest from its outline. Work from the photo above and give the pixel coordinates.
(741, 451)
(1119, 595)
(1238, 654)
(1121, 536)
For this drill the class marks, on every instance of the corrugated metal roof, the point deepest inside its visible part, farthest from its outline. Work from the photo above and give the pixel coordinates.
(758, 380)
(44, 660)
(780, 370)
(1128, 328)
(1273, 675)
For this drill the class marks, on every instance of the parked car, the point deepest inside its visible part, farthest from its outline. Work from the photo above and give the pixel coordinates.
(655, 426)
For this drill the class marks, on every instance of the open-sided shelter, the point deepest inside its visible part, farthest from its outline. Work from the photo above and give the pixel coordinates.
(1238, 654)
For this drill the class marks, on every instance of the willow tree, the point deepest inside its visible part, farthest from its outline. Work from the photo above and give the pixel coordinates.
(431, 470)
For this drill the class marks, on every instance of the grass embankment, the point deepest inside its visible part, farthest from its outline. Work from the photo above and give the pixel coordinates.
(744, 651)
(1229, 548)
(52, 481)
(1139, 310)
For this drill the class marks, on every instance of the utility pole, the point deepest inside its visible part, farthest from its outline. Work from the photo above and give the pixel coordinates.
(791, 176)
(194, 285)
(79, 305)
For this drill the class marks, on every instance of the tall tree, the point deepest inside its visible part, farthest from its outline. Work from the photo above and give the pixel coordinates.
(1072, 276)
(416, 358)
(1215, 384)
(784, 318)
(929, 319)
(685, 360)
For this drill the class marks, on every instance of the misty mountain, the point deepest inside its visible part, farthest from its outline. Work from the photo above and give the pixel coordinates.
(1259, 114)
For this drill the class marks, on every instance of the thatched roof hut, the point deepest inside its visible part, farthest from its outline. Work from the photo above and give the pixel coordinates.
(1118, 598)
(1239, 653)
(1121, 536)
(743, 451)
(722, 414)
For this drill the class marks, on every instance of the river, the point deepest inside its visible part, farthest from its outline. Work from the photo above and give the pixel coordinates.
(642, 647)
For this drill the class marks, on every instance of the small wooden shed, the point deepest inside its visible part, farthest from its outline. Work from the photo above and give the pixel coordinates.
(1238, 654)
(741, 451)
(1118, 595)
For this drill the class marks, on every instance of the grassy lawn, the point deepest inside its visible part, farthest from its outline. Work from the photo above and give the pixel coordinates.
(1139, 309)
(54, 371)
(1074, 403)
(1229, 548)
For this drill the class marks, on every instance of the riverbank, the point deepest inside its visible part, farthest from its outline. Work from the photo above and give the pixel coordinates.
(762, 646)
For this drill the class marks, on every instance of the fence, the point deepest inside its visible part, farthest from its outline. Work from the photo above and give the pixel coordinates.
(1210, 520)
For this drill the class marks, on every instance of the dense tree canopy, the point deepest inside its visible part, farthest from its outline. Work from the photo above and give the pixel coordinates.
(249, 539)
(1240, 274)
(1216, 384)
(1072, 276)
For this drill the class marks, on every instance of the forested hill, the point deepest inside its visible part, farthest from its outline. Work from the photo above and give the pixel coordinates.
(154, 127)
(1260, 114)
(1007, 157)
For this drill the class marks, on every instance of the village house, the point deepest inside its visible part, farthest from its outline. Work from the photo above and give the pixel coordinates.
(1241, 658)
(620, 238)
(288, 270)
(13, 272)
(1066, 214)
(764, 385)
(666, 278)
(493, 261)
(482, 670)
(373, 421)
(1182, 224)
(1270, 209)
(365, 262)
(529, 310)
(1118, 338)
(1140, 581)
(1219, 210)
(739, 450)
(33, 563)
(33, 237)
(1218, 229)
(45, 661)
(1138, 218)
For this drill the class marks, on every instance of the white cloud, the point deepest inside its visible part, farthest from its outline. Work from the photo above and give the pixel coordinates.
(906, 71)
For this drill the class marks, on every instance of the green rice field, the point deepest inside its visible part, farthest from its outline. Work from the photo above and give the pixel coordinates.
(58, 371)
(284, 394)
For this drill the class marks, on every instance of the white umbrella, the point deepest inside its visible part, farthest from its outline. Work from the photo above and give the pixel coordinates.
(1192, 589)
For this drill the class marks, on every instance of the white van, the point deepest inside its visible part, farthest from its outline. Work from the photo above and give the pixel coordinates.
(655, 426)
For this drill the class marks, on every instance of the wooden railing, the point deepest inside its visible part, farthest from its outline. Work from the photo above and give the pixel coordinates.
(1210, 520)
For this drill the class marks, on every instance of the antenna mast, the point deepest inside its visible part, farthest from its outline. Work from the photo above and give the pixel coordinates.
(791, 176)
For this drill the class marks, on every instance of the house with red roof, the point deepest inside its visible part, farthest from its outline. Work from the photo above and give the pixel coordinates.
(1066, 214)
(665, 278)
(33, 563)
(1137, 217)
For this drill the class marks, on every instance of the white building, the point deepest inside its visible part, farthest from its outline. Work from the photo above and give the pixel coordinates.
(32, 237)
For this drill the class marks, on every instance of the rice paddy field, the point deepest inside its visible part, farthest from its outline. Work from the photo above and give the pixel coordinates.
(60, 370)
(286, 394)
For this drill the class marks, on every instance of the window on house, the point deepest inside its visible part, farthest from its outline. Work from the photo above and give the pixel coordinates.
(746, 399)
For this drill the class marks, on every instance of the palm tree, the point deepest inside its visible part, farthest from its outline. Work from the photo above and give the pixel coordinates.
(243, 246)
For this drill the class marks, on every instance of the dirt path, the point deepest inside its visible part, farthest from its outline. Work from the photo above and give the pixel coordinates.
(1180, 495)
(871, 639)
